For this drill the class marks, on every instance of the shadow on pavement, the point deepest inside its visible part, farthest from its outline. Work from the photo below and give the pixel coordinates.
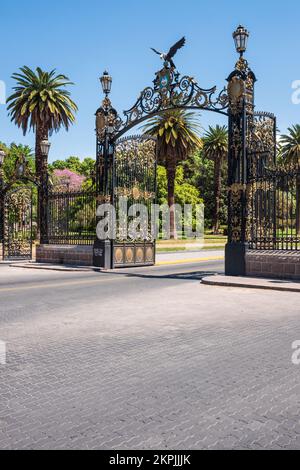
(188, 275)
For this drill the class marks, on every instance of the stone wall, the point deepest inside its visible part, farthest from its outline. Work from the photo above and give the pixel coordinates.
(81, 255)
(273, 264)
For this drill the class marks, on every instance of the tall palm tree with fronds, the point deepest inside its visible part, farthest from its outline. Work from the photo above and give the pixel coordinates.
(290, 155)
(290, 145)
(176, 133)
(215, 147)
(42, 103)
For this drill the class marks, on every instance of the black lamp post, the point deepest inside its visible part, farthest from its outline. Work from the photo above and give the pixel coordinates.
(240, 37)
(2, 156)
(106, 125)
(106, 82)
(43, 192)
(45, 148)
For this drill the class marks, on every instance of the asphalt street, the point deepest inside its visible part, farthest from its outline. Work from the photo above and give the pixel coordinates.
(146, 359)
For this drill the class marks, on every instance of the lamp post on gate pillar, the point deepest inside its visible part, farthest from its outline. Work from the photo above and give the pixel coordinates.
(107, 121)
(241, 108)
(43, 192)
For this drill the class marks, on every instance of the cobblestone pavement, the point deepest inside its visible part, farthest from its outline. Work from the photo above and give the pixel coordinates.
(146, 361)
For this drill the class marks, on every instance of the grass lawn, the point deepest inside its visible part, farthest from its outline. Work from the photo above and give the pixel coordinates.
(210, 242)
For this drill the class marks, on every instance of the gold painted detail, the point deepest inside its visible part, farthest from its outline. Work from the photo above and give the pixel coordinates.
(119, 257)
(139, 255)
(103, 199)
(129, 255)
(236, 91)
(236, 195)
(149, 254)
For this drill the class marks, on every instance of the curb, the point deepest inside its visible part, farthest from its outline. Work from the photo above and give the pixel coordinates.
(52, 267)
(252, 283)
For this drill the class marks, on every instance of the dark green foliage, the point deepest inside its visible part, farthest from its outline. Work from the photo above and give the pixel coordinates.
(199, 172)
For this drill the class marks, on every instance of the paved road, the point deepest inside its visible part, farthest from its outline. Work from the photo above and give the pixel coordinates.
(147, 358)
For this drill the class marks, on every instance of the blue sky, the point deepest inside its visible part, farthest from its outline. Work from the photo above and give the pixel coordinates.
(82, 38)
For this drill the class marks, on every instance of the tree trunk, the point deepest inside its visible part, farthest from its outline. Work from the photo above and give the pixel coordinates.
(217, 194)
(41, 134)
(171, 174)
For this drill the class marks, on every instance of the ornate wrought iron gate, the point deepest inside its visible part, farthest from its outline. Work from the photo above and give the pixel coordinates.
(126, 178)
(18, 224)
(273, 210)
(135, 184)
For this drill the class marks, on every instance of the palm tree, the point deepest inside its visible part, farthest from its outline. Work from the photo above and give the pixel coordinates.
(176, 133)
(216, 148)
(290, 155)
(290, 145)
(41, 102)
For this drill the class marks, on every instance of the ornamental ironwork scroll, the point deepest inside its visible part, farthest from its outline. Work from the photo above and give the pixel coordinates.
(134, 184)
(170, 90)
(261, 142)
(241, 110)
(261, 191)
(18, 227)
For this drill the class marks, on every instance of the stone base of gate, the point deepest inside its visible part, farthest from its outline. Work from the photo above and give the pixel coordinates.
(273, 264)
(80, 255)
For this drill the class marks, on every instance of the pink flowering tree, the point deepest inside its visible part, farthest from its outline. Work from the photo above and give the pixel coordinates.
(69, 179)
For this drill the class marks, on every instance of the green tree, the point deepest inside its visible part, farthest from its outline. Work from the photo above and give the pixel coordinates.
(176, 133)
(199, 172)
(185, 193)
(215, 148)
(13, 153)
(290, 155)
(87, 167)
(290, 145)
(42, 103)
(84, 167)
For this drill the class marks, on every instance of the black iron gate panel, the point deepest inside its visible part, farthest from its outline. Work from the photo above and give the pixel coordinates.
(18, 224)
(274, 216)
(273, 191)
(134, 184)
(71, 216)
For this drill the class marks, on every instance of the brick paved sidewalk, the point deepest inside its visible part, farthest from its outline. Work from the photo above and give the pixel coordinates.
(148, 362)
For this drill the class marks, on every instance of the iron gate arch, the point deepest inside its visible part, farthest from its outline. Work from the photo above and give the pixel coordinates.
(18, 223)
(249, 146)
(171, 91)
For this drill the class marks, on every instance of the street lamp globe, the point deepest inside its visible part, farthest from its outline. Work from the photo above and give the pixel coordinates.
(106, 82)
(2, 156)
(45, 147)
(240, 37)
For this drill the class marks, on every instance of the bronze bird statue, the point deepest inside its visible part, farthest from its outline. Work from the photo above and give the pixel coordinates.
(169, 56)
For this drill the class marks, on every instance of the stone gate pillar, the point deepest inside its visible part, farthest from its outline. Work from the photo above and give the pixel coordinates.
(241, 108)
(106, 121)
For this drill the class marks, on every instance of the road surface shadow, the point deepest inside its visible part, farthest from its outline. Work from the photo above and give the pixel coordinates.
(188, 275)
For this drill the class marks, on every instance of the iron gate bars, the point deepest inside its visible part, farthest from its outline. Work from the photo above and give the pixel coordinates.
(134, 181)
(274, 209)
(71, 216)
(126, 169)
(18, 224)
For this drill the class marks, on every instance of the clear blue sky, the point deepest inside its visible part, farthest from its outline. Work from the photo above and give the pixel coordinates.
(82, 38)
